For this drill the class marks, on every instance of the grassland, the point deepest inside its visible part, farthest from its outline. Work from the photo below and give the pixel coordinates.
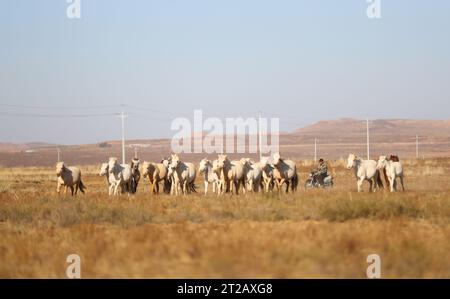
(315, 233)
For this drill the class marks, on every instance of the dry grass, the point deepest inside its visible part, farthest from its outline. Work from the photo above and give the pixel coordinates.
(317, 233)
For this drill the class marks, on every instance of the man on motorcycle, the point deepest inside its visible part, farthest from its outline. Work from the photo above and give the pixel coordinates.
(321, 172)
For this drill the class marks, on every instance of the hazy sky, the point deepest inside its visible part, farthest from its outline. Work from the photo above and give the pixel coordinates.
(300, 60)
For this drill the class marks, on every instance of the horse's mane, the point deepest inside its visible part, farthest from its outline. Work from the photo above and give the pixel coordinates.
(357, 158)
(394, 158)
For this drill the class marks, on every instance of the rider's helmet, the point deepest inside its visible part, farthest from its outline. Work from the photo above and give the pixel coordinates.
(320, 160)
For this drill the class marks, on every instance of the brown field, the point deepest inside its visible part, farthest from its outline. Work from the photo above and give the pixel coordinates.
(315, 233)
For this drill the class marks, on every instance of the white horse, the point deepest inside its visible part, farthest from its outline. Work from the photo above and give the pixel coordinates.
(253, 174)
(267, 174)
(209, 176)
(287, 172)
(365, 170)
(232, 173)
(118, 176)
(218, 172)
(394, 170)
(182, 174)
(69, 177)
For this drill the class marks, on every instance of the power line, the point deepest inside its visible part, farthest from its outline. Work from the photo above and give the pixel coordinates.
(60, 107)
(14, 114)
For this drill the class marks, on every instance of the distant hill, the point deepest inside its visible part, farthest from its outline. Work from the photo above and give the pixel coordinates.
(383, 130)
(17, 147)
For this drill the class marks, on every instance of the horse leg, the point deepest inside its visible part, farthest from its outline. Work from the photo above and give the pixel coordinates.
(219, 188)
(128, 188)
(157, 187)
(237, 185)
(280, 184)
(185, 187)
(231, 184)
(172, 187)
(177, 187)
(58, 188)
(359, 184)
(71, 190)
(392, 183)
(206, 187)
(152, 187)
(223, 186)
(77, 185)
(270, 184)
(287, 186)
(377, 180)
(116, 188)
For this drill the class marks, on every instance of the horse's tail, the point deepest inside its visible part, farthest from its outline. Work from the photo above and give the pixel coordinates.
(379, 181)
(385, 177)
(82, 186)
(295, 182)
(193, 188)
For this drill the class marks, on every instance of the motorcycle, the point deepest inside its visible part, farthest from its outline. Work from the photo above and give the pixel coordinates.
(312, 182)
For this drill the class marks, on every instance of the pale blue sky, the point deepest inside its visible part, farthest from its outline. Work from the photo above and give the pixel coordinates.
(300, 60)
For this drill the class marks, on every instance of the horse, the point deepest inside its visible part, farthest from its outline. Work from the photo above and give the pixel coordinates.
(267, 174)
(209, 176)
(218, 172)
(135, 174)
(393, 171)
(183, 175)
(69, 177)
(118, 176)
(156, 172)
(252, 174)
(365, 170)
(287, 173)
(393, 158)
(232, 173)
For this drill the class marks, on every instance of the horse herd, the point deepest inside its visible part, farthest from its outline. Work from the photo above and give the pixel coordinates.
(224, 175)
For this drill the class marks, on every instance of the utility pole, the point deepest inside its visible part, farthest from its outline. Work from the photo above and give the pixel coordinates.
(259, 136)
(123, 116)
(59, 154)
(315, 149)
(136, 152)
(368, 140)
